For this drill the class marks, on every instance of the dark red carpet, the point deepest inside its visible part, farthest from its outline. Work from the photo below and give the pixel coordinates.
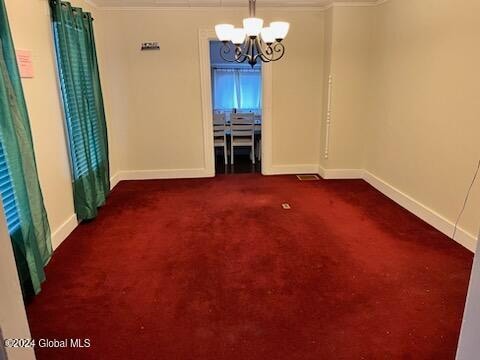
(215, 269)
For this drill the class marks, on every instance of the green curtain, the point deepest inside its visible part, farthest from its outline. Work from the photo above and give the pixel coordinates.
(31, 241)
(83, 104)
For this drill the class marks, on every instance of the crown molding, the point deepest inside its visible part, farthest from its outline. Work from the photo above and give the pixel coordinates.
(92, 3)
(209, 8)
(332, 4)
(335, 4)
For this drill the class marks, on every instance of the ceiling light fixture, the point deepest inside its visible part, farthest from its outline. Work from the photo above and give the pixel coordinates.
(253, 42)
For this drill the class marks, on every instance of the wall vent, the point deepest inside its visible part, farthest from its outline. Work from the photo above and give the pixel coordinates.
(308, 177)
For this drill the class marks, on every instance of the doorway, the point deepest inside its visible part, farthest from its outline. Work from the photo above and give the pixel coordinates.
(204, 38)
(236, 95)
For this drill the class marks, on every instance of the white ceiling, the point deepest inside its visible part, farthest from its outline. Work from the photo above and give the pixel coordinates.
(217, 3)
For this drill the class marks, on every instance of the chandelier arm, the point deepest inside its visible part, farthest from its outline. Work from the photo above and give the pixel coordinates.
(240, 55)
(264, 58)
(253, 48)
(266, 55)
(224, 51)
(260, 52)
(250, 51)
(271, 50)
(279, 48)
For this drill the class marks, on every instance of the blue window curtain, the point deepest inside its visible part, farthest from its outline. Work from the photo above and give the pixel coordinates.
(19, 186)
(83, 107)
(249, 89)
(224, 89)
(237, 89)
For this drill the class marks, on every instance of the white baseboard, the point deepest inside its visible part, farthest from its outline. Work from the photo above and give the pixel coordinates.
(428, 215)
(340, 173)
(291, 169)
(164, 174)
(62, 232)
(114, 180)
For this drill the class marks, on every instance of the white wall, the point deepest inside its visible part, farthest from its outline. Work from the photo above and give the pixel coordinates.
(405, 109)
(348, 32)
(404, 95)
(405, 104)
(152, 99)
(424, 118)
(156, 95)
(13, 320)
(31, 28)
(468, 345)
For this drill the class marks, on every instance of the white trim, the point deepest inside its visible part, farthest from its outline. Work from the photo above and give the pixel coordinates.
(267, 118)
(291, 169)
(204, 38)
(62, 232)
(164, 174)
(428, 215)
(210, 8)
(420, 210)
(468, 344)
(340, 173)
(336, 4)
(114, 180)
(328, 116)
(242, 8)
(92, 3)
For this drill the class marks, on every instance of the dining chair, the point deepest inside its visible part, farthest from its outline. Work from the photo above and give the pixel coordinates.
(220, 134)
(242, 130)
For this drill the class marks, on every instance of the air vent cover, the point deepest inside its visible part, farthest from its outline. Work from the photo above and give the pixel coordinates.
(308, 177)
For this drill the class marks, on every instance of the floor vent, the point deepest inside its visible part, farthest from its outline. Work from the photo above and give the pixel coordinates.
(308, 177)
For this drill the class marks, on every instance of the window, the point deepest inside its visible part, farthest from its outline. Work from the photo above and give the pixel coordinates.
(8, 195)
(236, 89)
(84, 112)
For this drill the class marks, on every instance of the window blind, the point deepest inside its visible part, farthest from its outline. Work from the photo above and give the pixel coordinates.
(81, 151)
(8, 195)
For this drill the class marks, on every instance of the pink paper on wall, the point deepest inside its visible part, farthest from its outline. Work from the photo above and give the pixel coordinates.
(25, 63)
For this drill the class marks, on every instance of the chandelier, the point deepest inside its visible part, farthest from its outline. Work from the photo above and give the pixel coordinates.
(253, 42)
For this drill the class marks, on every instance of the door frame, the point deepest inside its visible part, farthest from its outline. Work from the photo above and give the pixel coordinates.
(204, 38)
